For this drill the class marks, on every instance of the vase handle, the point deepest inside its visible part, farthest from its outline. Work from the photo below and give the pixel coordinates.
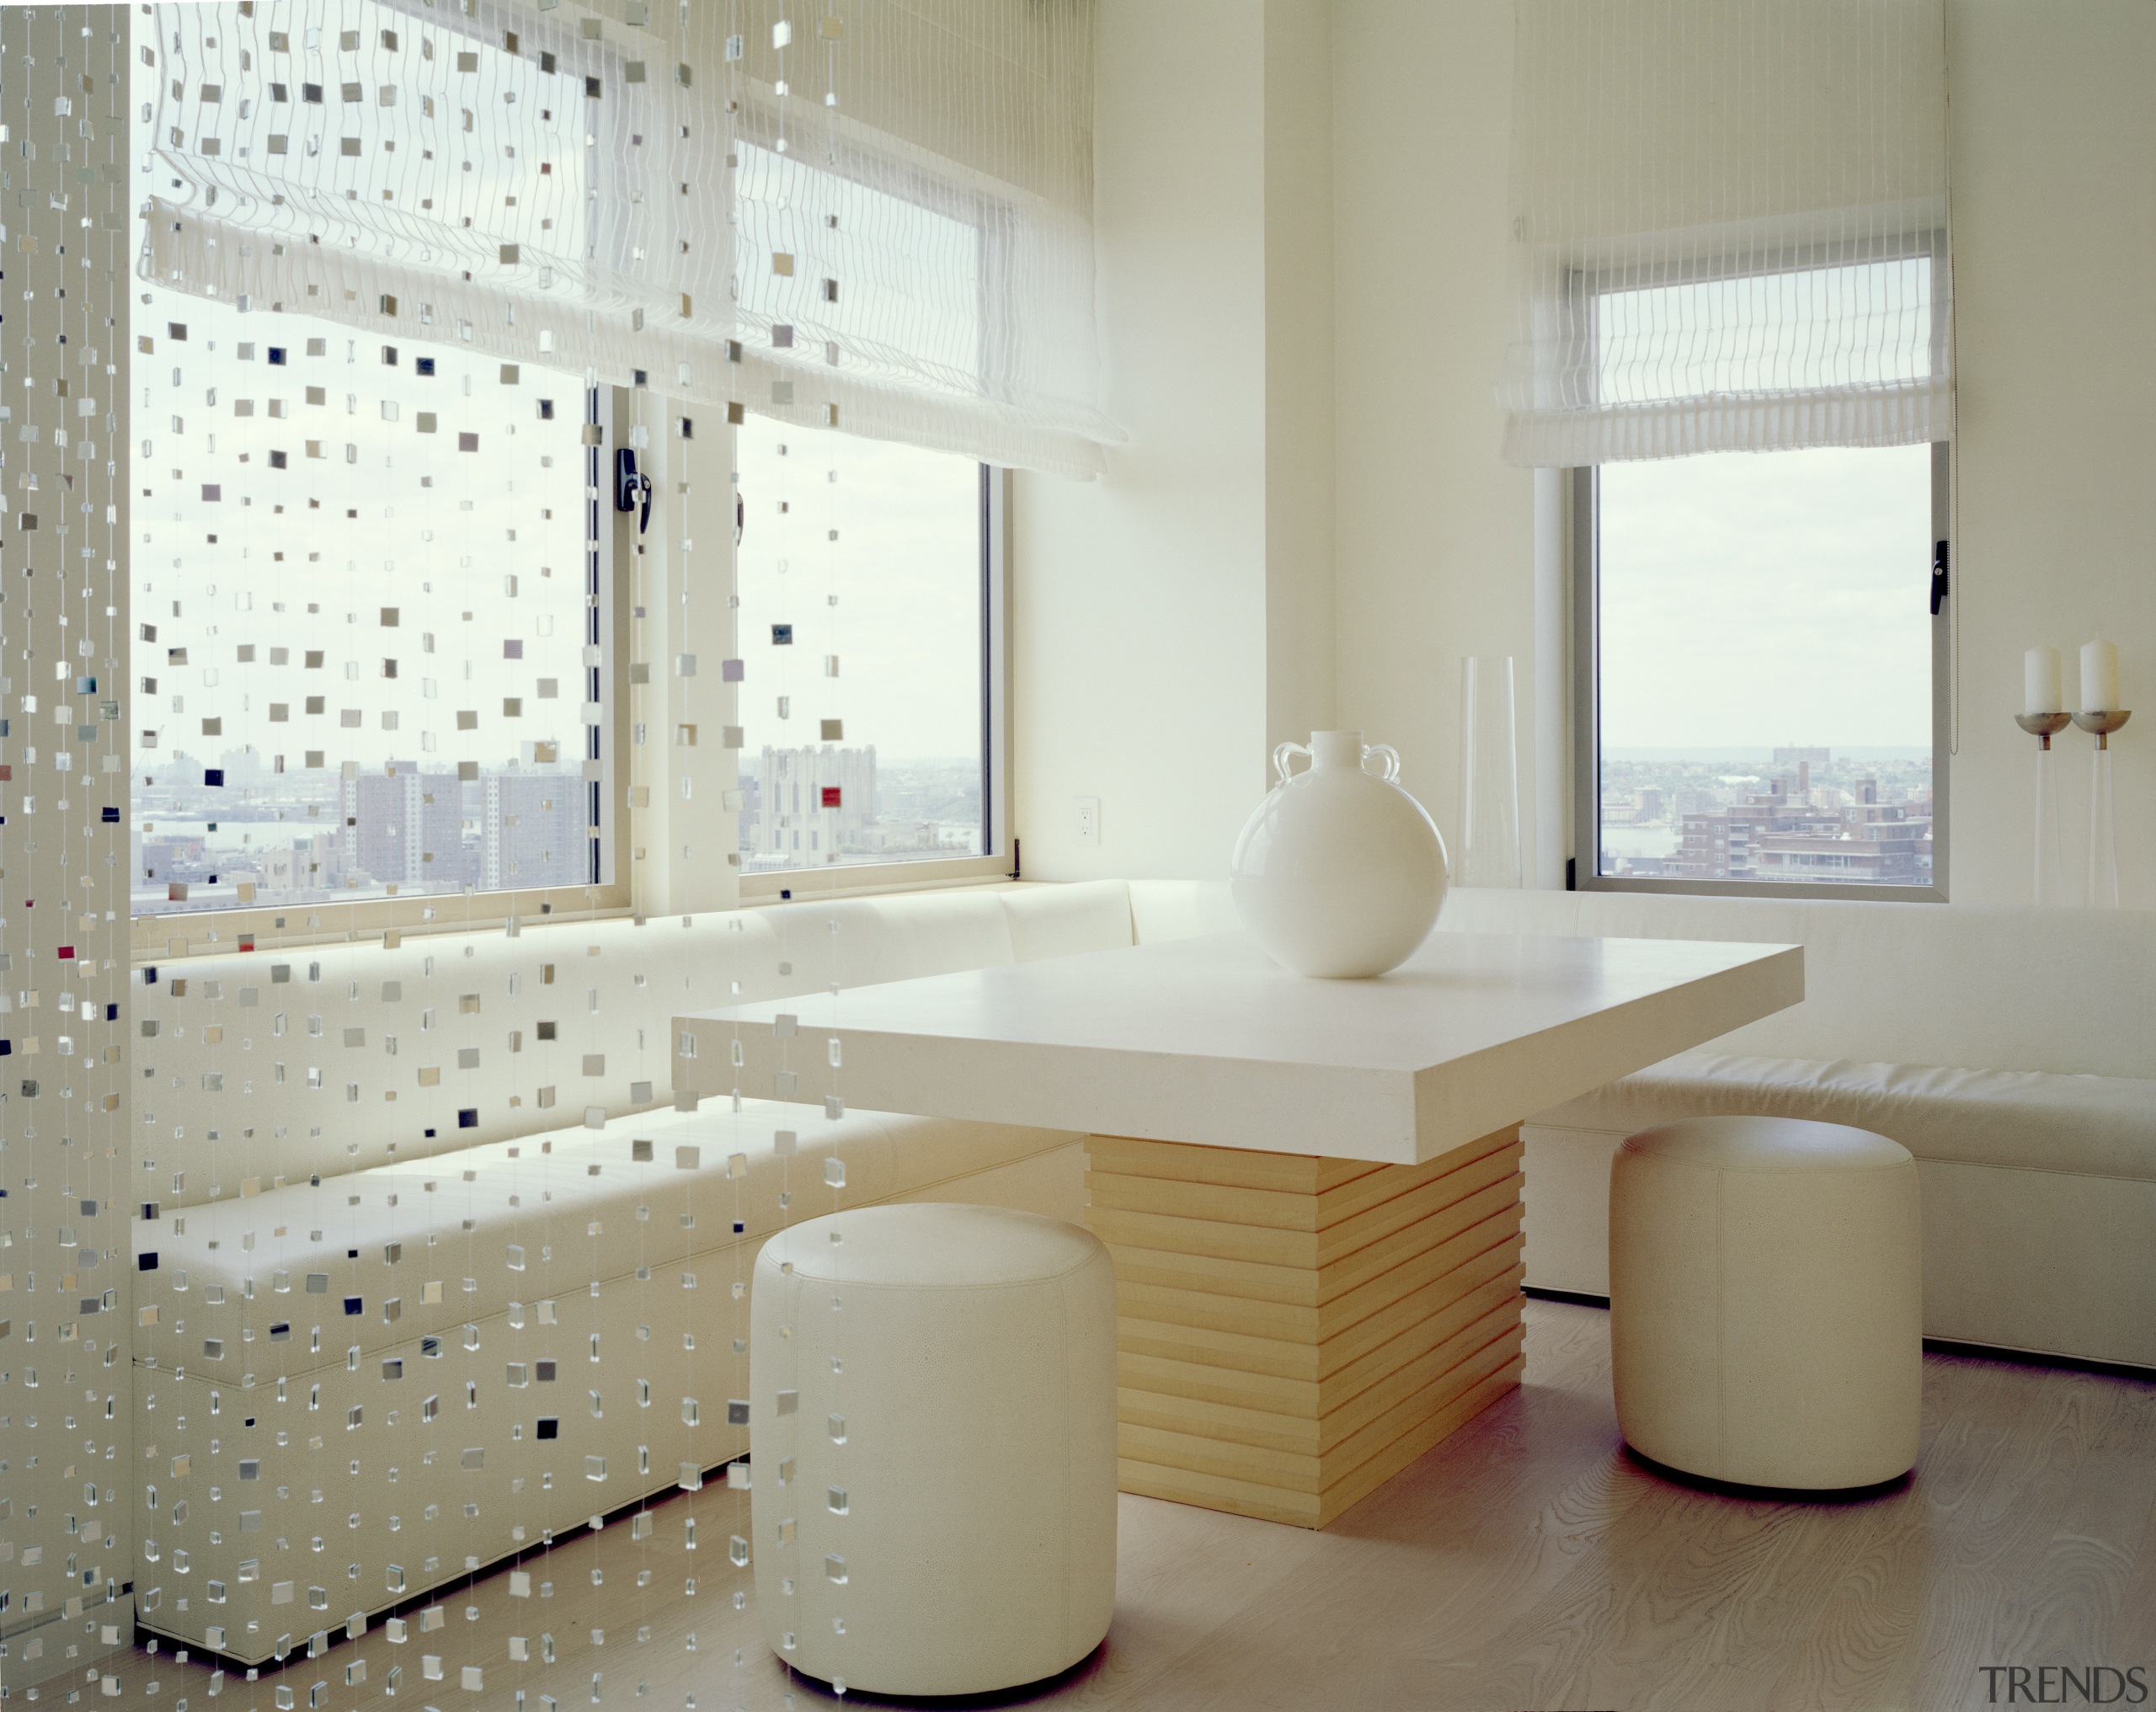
(1391, 759)
(1283, 753)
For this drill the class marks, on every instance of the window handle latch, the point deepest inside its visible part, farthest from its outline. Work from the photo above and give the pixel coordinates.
(632, 487)
(1938, 556)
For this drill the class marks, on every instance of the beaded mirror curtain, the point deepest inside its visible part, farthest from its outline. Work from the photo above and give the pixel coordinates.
(436, 1296)
(880, 222)
(66, 1402)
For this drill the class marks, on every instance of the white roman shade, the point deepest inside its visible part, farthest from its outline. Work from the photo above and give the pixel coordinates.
(880, 221)
(1729, 228)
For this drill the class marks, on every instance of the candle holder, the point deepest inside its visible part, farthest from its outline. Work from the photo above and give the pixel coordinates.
(2103, 811)
(2049, 872)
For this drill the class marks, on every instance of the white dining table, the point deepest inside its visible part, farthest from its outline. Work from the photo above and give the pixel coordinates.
(1311, 1188)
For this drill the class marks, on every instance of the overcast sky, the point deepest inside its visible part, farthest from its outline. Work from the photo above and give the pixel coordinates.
(906, 571)
(1767, 599)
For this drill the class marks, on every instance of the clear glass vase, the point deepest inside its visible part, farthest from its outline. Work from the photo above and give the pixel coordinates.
(1489, 775)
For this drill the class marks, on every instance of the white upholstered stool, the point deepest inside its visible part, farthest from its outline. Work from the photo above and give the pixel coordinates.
(932, 1447)
(1766, 1301)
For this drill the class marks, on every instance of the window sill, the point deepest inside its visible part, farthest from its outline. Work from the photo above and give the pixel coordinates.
(864, 879)
(1812, 890)
(155, 939)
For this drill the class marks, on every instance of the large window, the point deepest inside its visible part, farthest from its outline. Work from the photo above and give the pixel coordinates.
(1760, 689)
(373, 611)
(865, 597)
(365, 650)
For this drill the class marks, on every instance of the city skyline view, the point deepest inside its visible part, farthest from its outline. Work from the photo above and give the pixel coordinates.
(1795, 815)
(1764, 668)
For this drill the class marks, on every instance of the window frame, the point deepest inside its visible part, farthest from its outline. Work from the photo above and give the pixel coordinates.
(999, 859)
(1583, 494)
(265, 927)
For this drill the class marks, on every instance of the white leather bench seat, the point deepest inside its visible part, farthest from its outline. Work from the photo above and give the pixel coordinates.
(571, 1282)
(1968, 1035)
(386, 1254)
(475, 1263)
(2091, 1126)
(2039, 1189)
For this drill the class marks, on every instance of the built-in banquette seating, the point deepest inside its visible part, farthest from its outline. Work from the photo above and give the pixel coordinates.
(2013, 1052)
(398, 1234)
(429, 1210)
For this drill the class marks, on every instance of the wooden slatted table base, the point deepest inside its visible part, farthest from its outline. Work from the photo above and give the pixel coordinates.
(1292, 1331)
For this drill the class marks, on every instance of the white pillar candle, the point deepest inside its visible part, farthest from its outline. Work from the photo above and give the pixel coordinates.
(2040, 677)
(2100, 677)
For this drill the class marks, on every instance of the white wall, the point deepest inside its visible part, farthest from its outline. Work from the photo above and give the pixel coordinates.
(1436, 536)
(2054, 165)
(1165, 614)
(1172, 621)
(1300, 335)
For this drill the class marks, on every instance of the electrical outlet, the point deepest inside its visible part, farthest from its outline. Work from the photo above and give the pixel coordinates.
(1085, 820)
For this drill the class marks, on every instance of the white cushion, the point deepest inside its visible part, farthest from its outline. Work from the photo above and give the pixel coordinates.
(1765, 1301)
(1181, 908)
(896, 938)
(932, 1435)
(2099, 1126)
(520, 1221)
(1049, 922)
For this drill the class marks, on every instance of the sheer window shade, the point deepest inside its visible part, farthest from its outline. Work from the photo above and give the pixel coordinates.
(881, 222)
(1729, 228)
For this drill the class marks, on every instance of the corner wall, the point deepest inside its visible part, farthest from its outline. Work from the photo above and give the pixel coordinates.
(1437, 538)
(68, 1460)
(1172, 621)
(2054, 174)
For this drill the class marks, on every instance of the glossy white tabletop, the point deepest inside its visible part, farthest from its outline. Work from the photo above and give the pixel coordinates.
(1208, 1041)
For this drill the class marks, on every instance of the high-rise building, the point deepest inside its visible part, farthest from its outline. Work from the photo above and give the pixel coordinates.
(531, 831)
(401, 827)
(813, 802)
(1782, 834)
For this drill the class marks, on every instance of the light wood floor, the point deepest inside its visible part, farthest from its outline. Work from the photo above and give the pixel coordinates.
(1527, 1562)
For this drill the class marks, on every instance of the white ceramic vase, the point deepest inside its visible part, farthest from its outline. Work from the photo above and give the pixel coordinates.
(1339, 873)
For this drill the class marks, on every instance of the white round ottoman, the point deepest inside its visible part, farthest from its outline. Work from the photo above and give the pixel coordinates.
(1766, 1301)
(932, 1447)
